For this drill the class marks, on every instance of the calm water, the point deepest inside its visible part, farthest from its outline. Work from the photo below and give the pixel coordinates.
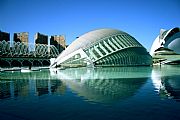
(131, 93)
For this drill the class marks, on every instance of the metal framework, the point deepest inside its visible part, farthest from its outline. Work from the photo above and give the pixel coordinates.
(20, 54)
(20, 49)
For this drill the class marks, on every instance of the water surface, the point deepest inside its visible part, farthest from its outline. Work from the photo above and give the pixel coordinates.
(126, 93)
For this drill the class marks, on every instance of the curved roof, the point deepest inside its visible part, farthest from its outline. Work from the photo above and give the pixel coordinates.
(165, 39)
(90, 38)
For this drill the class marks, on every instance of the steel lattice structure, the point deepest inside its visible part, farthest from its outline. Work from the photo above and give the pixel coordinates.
(20, 49)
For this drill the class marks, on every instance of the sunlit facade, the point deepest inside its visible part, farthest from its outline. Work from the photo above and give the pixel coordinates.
(169, 39)
(166, 47)
(104, 47)
(59, 42)
(21, 37)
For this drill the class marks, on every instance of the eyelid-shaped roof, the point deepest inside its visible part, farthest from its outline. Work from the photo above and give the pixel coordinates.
(103, 47)
(89, 38)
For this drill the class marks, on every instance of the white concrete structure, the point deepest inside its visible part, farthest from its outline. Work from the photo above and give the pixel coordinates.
(104, 47)
(169, 39)
(166, 47)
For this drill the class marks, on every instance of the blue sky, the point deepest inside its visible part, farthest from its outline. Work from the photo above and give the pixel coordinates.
(142, 19)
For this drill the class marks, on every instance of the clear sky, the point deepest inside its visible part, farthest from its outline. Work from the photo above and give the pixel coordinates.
(142, 19)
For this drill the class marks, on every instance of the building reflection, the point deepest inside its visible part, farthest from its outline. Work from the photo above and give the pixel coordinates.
(166, 82)
(105, 85)
(49, 87)
(11, 89)
(30, 84)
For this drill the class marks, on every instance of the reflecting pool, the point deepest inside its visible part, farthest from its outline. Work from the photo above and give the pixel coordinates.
(126, 93)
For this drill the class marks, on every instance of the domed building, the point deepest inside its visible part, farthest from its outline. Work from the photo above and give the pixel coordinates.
(104, 47)
(166, 47)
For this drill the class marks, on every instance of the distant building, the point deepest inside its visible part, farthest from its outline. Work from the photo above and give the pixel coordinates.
(41, 38)
(59, 42)
(21, 37)
(166, 47)
(4, 36)
(168, 39)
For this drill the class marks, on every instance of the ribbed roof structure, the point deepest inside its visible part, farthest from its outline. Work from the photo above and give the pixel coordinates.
(104, 47)
(90, 38)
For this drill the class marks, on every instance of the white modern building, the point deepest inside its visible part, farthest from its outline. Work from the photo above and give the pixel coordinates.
(166, 47)
(104, 47)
